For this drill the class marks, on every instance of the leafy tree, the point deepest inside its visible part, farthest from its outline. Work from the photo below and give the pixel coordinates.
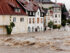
(64, 14)
(63, 23)
(50, 24)
(68, 21)
(59, 26)
(9, 28)
(54, 26)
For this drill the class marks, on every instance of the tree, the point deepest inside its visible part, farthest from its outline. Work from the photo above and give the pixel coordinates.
(64, 14)
(50, 24)
(9, 28)
(63, 23)
(68, 21)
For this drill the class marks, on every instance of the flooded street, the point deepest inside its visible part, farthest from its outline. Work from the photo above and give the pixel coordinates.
(39, 42)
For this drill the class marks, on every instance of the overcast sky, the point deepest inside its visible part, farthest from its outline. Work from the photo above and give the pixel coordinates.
(67, 3)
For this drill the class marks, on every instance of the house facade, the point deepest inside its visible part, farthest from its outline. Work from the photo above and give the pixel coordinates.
(36, 23)
(26, 15)
(35, 15)
(4, 20)
(54, 15)
(12, 12)
(21, 23)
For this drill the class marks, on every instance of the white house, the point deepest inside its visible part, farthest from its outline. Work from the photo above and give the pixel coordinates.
(54, 15)
(23, 13)
(35, 15)
(35, 22)
(11, 11)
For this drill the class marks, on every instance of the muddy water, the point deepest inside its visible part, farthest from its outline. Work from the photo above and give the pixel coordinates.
(44, 42)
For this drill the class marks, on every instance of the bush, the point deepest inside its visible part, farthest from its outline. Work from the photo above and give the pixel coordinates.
(68, 21)
(63, 23)
(59, 26)
(50, 24)
(9, 28)
(12, 24)
(54, 26)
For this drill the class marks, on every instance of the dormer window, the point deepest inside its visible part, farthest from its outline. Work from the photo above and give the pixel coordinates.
(17, 10)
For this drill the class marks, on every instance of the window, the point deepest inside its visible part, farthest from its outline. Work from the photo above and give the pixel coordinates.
(59, 22)
(30, 20)
(37, 20)
(33, 13)
(33, 20)
(38, 13)
(55, 21)
(32, 29)
(29, 29)
(21, 19)
(30, 13)
(55, 15)
(17, 10)
(14, 19)
(41, 20)
(55, 9)
(38, 28)
(59, 9)
(41, 28)
(59, 15)
(42, 14)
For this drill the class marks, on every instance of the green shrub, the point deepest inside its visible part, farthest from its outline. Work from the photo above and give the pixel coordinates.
(50, 24)
(54, 26)
(9, 28)
(68, 21)
(59, 26)
(63, 23)
(12, 24)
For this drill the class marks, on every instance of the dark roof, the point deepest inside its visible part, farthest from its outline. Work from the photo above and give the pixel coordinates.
(30, 6)
(42, 0)
(48, 3)
(7, 7)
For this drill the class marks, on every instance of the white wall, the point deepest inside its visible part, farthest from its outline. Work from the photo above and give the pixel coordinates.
(20, 27)
(41, 25)
(52, 17)
(58, 18)
(4, 20)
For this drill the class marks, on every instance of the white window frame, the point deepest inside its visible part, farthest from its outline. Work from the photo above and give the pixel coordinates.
(14, 19)
(17, 10)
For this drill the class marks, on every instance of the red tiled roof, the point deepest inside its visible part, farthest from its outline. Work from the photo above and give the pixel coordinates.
(6, 9)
